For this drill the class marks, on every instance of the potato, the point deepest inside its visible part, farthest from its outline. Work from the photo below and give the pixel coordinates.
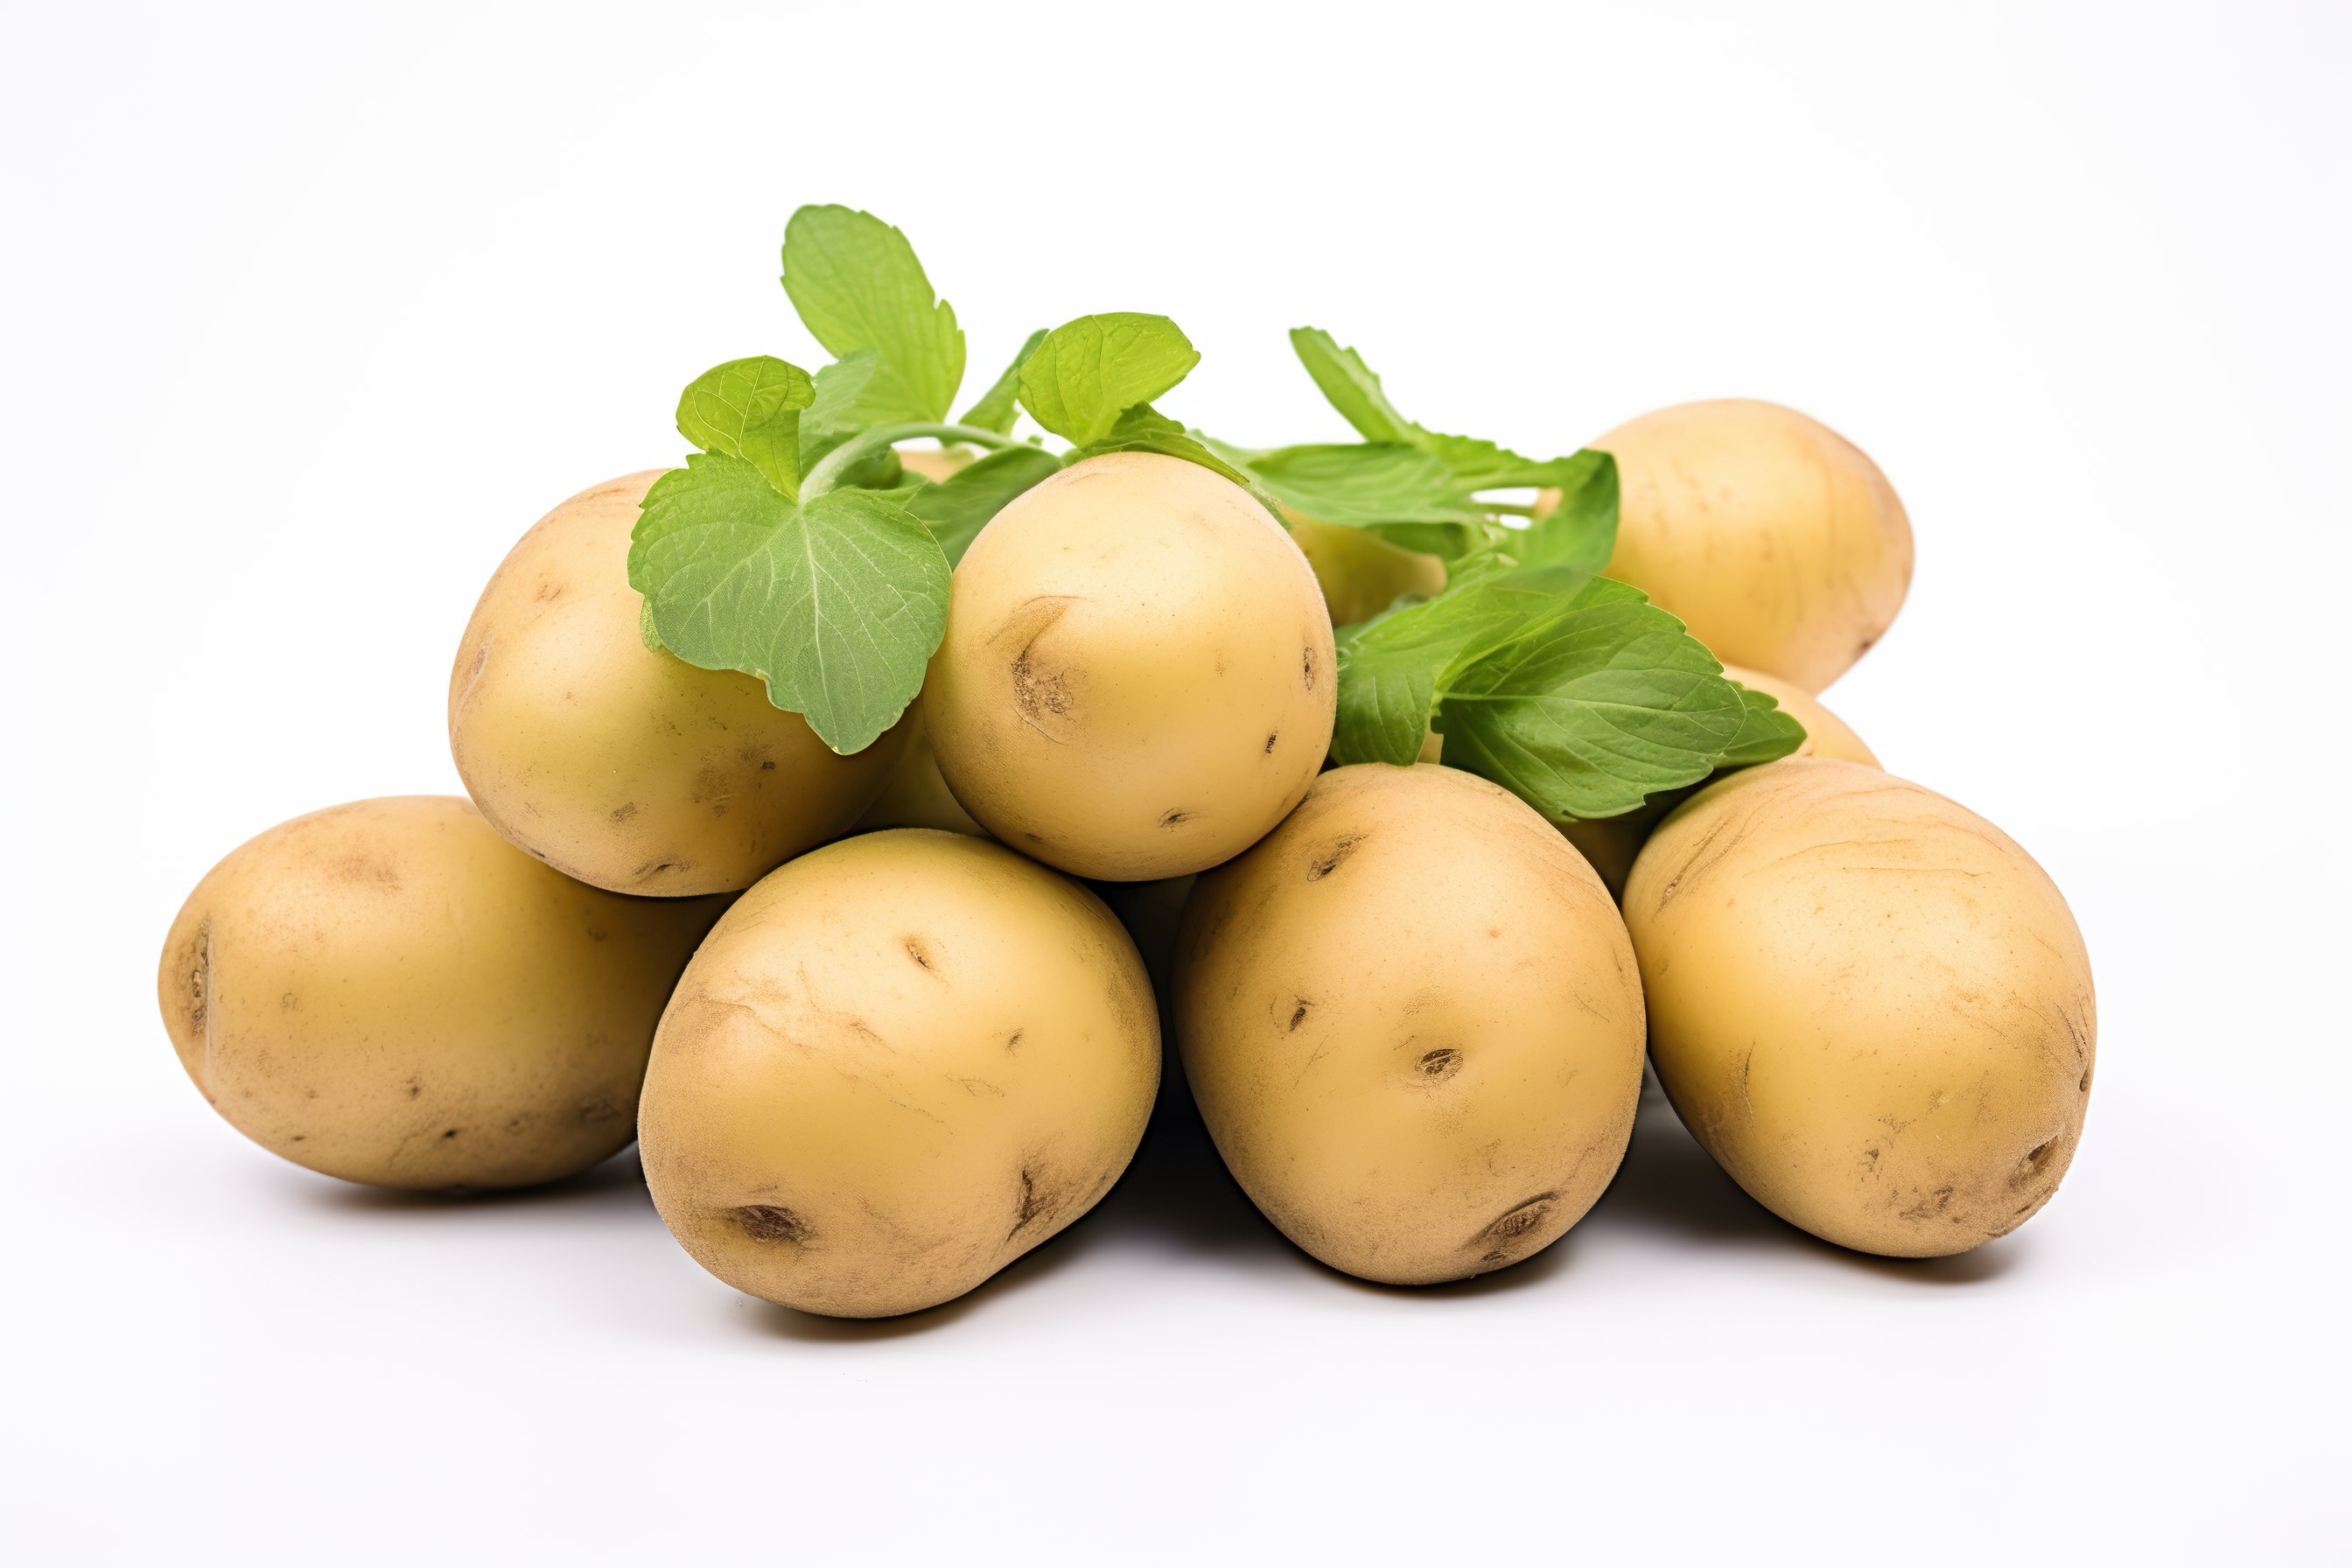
(1412, 1020)
(1361, 574)
(1137, 678)
(934, 463)
(1826, 734)
(1781, 546)
(899, 1063)
(390, 992)
(619, 765)
(1868, 1003)
(1611, 843)
(916, 795)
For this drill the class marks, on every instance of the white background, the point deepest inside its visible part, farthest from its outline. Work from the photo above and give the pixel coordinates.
(310, 311)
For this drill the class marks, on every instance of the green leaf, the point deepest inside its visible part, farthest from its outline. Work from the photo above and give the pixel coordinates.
(1604, 702)
(1766, 733)
(1088, 372)
(957, 508)
(1391, 666)
(1000, 405)
(750, 408)
(837, 604)
(1363, 486)
(1349, 387)
(856, 285)
(1581, 532)
(841, 408)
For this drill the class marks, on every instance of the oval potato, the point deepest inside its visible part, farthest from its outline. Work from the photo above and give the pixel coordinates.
(899, 1063)
(1411, 1021)
(1361, 574)
(620, 765)
(1867, 1003)
(390, 992)
(1137, 678)
(1780, 544)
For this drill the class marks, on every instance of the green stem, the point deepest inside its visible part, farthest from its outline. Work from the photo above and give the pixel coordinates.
(865, 443)
(1516, 508)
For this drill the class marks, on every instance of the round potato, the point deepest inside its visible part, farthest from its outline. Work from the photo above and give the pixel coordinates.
(899, 1063)
(1778, 543)
(1361, 574)
(1411, 1021)
(1868, 1003)
(620, 765)
(390, 992)
(1137, 679)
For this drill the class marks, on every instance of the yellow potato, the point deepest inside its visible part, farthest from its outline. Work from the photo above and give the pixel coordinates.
(899, 1063)
(1778, 542)
(1826, 734)
(1868, 1003)
(390, 992)
(1137, 679)
(917, 796)
(619, 765)
(934, 463)
(1411, 1021)
(1361, 574)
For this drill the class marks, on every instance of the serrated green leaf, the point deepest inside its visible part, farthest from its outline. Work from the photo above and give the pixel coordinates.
(957, 508)
(841, 408)
(1603, 702)
(837, 604)
(1088, 372)
(1391, 666)
(1767, 731)
(750, 408)
(1581, 532)
(1000, 405)
(856, 285)
(1349, 387)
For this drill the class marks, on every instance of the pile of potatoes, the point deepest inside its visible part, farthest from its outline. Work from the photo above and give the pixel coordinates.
(877, 1032)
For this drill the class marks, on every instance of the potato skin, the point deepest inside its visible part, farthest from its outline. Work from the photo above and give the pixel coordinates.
(899, 1063)
(1780, 544)
(1826, 734)
(623, 768)
(1867, 1003)
(1411, 1021)
(390, 992)
(916, 795)
(1137, 678)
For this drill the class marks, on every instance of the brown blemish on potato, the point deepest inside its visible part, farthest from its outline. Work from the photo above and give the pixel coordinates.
(550, 590)
(199, 994)
(921, 954)
(415, 1088)
(451, 1133)
(771, 1221)
(1298, 1013)
(1029, 1207)
(1039, 691)
(2034, 1164)
(368, 871)
(1306, 666)
(1269, 742)
(1014, 1044)
(620, 814)
(1323, 865)
(1503, 1238)
(594, 1110)
(1444, 1062)
(1174, 817)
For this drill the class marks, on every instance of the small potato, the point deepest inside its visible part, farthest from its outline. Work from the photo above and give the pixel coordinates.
(1868, 1003)
(1781, 546)
(917, 796)
(390, 992)
(1411, 1021)
(899, 1063)
(619, 765)
(1137, 678)
(1361, 574)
